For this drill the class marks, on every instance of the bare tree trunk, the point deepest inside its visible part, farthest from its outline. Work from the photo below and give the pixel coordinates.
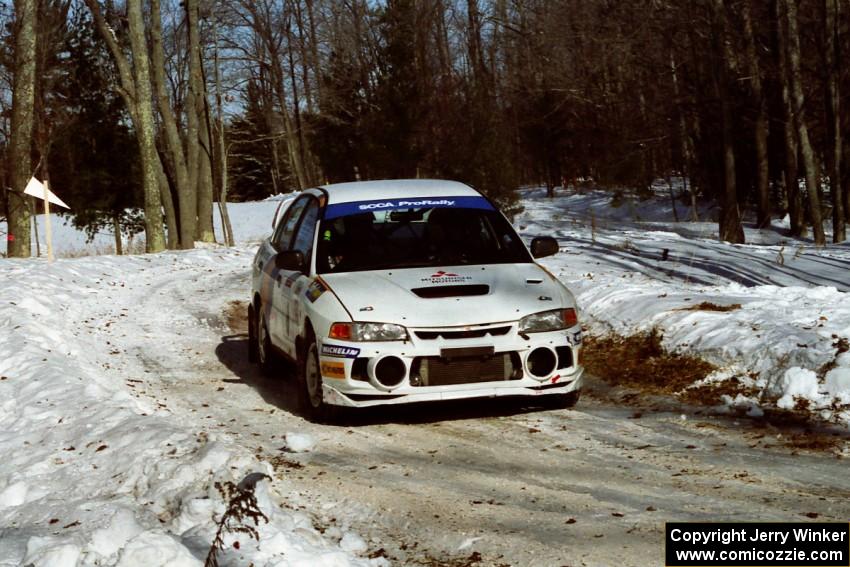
(135, 90)
(809, 160)
(226, 227)
(846, 190)
(314, 48)
(304, 57)
(792, 186)
(169, 123)
(309, 173)
(730, 220)
(146, 129)
(188, 198)
(292, 145)
(260, 17)
(20, 136)
(168, 206)
(116, 229)
(35, 232)
(833, 115)
(761, 125)
(204, 230)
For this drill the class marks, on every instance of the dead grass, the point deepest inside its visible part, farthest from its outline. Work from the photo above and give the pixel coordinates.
(281, 463)
(809, 441)
(709, 306)
(712, 394)
(841, 345)
(639, 361)
(236, 316)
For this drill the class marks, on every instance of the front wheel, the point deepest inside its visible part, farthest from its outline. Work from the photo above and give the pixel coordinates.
(310, 395)
(253, 355)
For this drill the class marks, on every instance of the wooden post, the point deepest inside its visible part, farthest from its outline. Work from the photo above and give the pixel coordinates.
(47, 229)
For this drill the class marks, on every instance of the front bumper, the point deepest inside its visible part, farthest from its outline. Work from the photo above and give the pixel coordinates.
(464, 364)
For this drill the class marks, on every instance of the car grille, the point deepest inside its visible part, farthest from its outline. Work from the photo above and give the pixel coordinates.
(438, 371)
(473, 334)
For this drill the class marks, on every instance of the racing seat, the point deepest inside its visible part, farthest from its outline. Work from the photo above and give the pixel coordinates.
(453, 235)
(355, 246)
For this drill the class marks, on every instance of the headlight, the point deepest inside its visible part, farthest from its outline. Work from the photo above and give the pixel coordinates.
(368, 332)
(553, 320)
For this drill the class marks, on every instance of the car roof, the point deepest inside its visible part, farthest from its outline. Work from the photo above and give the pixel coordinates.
(394, 188)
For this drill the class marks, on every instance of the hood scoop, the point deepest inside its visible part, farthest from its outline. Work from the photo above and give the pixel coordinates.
(451, 291)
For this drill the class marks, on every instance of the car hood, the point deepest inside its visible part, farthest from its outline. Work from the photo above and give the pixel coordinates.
(450, 295)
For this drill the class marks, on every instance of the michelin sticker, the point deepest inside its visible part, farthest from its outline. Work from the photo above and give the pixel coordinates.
(340, 351)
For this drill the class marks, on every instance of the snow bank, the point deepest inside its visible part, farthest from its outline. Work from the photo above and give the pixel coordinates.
(92, 475)
(788, 300)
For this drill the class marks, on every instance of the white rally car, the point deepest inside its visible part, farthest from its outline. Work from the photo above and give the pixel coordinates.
(389, 292)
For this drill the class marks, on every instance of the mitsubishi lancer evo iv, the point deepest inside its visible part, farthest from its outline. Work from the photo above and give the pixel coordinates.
(391, 292)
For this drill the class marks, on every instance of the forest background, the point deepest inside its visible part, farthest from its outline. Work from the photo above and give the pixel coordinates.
(147, 114)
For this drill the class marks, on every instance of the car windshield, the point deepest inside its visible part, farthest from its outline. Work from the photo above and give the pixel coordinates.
(416, 237)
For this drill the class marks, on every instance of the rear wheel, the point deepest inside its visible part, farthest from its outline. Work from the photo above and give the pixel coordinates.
(266, 356)
(310, 394)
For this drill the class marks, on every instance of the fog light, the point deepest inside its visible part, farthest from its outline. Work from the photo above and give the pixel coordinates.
(541, 362)
(387, 372)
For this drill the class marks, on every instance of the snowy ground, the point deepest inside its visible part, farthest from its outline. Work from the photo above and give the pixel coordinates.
(785, 339)
(96, 472)
(125, 394)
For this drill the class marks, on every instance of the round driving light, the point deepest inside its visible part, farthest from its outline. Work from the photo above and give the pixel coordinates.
(386, 372)
(541, 362)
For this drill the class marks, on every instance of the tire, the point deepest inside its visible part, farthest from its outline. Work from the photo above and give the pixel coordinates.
(310, 398)
(266, 356)
(253, 355)
(562, 401)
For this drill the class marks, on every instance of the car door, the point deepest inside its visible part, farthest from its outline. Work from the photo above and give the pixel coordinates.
(295, 282)
(280, 241)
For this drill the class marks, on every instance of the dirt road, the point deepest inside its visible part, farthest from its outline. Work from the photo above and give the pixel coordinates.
(479, 483)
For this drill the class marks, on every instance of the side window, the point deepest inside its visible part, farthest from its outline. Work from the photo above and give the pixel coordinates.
(306, 230)
(286, 227)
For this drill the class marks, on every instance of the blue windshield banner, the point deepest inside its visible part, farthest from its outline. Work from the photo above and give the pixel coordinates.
(359, 207)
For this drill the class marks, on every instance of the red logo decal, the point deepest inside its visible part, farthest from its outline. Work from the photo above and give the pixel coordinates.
(442, 274)
(10, 237)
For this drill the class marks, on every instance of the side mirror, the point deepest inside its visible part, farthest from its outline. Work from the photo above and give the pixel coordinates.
(543, 246)
(290, 260)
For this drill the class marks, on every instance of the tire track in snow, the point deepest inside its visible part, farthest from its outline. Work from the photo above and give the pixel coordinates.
(519, 485)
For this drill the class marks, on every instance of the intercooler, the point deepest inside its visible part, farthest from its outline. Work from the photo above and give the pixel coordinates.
(445, 371)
